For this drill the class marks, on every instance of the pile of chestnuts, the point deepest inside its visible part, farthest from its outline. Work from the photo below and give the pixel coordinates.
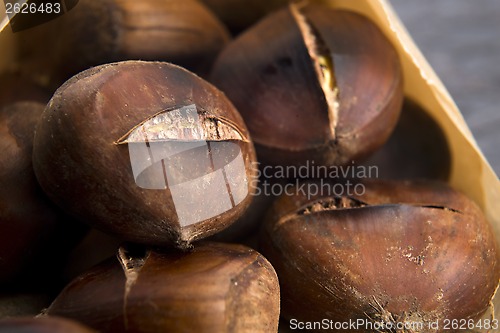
(138, 140)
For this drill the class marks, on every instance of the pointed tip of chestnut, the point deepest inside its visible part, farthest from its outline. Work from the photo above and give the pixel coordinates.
(326, 85)
(146, 151)
(215, 287)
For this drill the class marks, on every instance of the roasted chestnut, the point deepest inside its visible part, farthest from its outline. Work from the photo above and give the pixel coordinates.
(32, 228)
(401, 254)
(313, 83)
(145, 151)
(97, 32)
(214, 288)
(42, 325)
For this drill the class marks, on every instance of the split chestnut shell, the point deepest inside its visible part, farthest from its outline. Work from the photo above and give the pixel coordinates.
(145, 151)
(313, 83)
(401, 253)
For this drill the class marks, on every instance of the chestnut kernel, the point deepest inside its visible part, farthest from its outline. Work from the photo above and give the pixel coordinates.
(313, 83)
(145, 151)
(42, 325)
(403, 253)
(214, 288)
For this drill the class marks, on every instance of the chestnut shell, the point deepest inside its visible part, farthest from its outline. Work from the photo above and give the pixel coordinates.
(84, 161)
(214, 288)
(271, 74)
(403, 252)
(98, 32)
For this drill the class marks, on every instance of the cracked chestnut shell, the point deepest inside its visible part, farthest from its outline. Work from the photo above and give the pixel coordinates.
(146, 151)
(214, 288)
(403, 252)
(313, 83)
(42, 325)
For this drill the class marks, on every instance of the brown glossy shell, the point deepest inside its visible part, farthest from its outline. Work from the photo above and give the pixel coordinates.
(410, 252)
(272, 74)
(215, 288)
(82, 159)
(98, 32)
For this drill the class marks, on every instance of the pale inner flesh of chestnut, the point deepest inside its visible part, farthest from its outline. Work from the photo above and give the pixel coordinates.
(197, 157)
(345, 202)
(322, 62)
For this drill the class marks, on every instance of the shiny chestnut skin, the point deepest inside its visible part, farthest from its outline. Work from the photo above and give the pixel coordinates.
(215, 287)
(97, 32)
(42, 325)
(34, 233)
(402, 252)
(145, 151)
(313, 83)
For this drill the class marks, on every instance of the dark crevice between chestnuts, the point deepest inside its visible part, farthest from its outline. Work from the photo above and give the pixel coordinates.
(322, 63)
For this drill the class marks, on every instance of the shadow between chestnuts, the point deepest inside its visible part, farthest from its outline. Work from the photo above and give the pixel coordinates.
(313, 84)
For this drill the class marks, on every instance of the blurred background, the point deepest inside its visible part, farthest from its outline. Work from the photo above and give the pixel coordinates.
(461, 41)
